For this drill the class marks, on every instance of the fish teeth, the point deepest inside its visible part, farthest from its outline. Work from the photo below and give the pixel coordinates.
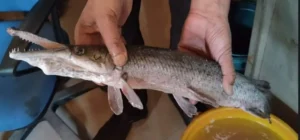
(13, 50)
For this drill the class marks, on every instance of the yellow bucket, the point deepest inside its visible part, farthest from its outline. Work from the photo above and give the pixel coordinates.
(235, 124)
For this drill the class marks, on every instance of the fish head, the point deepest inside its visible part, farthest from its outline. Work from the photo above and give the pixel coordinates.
(252, 96)
(258, 103)
(58, 61)
(93, 58)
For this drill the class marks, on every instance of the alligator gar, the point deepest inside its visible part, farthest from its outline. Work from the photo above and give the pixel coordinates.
(187, 77)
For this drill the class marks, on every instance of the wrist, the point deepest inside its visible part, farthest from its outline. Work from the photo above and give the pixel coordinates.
(211, 8)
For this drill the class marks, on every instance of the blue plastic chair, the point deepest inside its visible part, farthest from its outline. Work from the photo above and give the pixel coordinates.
(27, 95)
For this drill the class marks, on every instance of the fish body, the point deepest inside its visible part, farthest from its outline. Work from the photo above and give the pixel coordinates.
(186, 76)
(177, 72)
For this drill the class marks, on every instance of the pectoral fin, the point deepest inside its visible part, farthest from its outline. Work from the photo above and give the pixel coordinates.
(204, 98)
(115, 100)
(261, 84)
(188, 108)
(131, 96)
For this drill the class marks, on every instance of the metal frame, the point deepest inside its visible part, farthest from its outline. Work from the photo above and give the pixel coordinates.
(49, 115)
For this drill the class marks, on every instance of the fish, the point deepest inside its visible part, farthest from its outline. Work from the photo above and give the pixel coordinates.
(187, 77)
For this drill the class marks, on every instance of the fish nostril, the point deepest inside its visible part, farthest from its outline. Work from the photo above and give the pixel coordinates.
(79, 50)
(96, 57)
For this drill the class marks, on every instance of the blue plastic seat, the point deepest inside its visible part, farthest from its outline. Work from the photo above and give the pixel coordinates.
(28, 97)
(16, 5)
(24, 98)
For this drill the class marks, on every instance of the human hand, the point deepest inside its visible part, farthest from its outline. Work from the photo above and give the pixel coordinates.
(207, 33)
(100, 23)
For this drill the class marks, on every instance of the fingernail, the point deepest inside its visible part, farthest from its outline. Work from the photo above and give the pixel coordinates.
(120, 59)
(230, 92)
(228, 89)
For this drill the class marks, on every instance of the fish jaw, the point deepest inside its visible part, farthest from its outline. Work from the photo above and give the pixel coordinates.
(39, 54)
(92, 58)
(59, 62)
(261, 111)
(48, 44)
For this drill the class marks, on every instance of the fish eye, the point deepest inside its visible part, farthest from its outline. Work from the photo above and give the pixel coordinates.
(79, 50)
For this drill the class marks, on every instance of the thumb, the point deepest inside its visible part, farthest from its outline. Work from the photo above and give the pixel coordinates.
(225, 60)
(219, 41)
(111, 34)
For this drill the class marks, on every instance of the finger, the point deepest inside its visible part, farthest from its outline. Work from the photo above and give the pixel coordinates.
(100, 84)
(85, 34)
(227, 67)
(110, 31)
(219, 41)
(124, 41)
(195, 51)
(89, 39)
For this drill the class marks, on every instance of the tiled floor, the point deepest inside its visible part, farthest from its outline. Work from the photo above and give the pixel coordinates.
(91, 110)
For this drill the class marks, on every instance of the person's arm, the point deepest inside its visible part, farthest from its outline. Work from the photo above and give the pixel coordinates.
(215, 8)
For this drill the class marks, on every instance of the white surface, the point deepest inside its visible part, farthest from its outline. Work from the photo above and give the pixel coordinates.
(273, 52)
(43, 131)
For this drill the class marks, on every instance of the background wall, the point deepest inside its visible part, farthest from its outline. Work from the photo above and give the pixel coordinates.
(274, 48)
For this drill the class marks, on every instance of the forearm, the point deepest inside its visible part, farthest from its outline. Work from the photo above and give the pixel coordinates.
(214, 8)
